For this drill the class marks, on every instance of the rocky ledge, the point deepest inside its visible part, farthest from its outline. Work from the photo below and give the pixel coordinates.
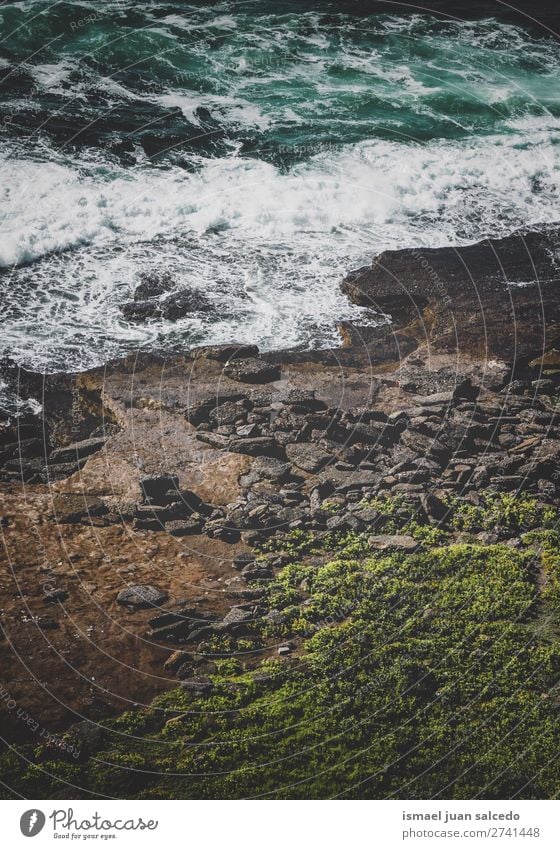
(186, 512)
(497, 298)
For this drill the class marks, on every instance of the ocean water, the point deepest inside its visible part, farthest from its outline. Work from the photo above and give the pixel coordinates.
(255, 151)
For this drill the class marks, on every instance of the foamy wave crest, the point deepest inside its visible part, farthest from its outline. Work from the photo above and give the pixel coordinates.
(395, 192)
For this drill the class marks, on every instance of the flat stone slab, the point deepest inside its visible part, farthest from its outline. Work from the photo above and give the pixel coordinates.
(77, 450)
(252, 371)
(308, 457)
(142, 595)
(393, 542)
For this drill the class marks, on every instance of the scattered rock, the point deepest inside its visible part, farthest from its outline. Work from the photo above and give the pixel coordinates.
(55, 595)
(240, 561)
(308, 457)
(177, 659)
(256, 572)
(199, 686)
(183, 527)
(434, 507)
(236, 618)
(393, 542)
(270, 468)
(437, 399)
(257, 446)
(76, 451)
(252, 371)
(141, 595)
(248, 431)
(302, 401)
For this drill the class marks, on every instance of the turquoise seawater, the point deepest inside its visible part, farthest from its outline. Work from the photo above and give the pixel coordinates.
(255, 151)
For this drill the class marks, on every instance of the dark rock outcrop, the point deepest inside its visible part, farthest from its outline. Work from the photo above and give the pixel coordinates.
(496, 298)
(170, 308)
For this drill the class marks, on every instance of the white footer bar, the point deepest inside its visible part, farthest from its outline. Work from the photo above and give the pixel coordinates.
(281, 825)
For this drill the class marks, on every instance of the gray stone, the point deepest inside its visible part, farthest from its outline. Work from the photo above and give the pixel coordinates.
(237, 616)
(228, 412)
(183, 527)
(271, 468)
(248, 430)
(308, 457)
(254, 447)
(141, 595)
(393, 542)
(252, 371)
(76, 451)
(256, 572)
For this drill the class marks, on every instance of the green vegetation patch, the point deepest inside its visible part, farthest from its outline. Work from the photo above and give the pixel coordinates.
(411, 676)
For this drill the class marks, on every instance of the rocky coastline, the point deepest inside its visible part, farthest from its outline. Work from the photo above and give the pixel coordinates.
(164, 517)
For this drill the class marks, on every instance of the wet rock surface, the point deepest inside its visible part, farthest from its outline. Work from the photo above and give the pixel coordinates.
(157, 297)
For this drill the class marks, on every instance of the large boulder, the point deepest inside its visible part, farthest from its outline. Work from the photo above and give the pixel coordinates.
(497, 297)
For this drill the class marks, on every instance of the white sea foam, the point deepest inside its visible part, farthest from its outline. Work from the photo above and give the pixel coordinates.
(434, 193)
(50, 76)
(234, 110)
(266, 247)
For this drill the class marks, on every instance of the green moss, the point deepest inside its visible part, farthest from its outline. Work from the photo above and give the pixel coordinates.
(512, 512)
(416, 676)
(546, 545)
(427, 534)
